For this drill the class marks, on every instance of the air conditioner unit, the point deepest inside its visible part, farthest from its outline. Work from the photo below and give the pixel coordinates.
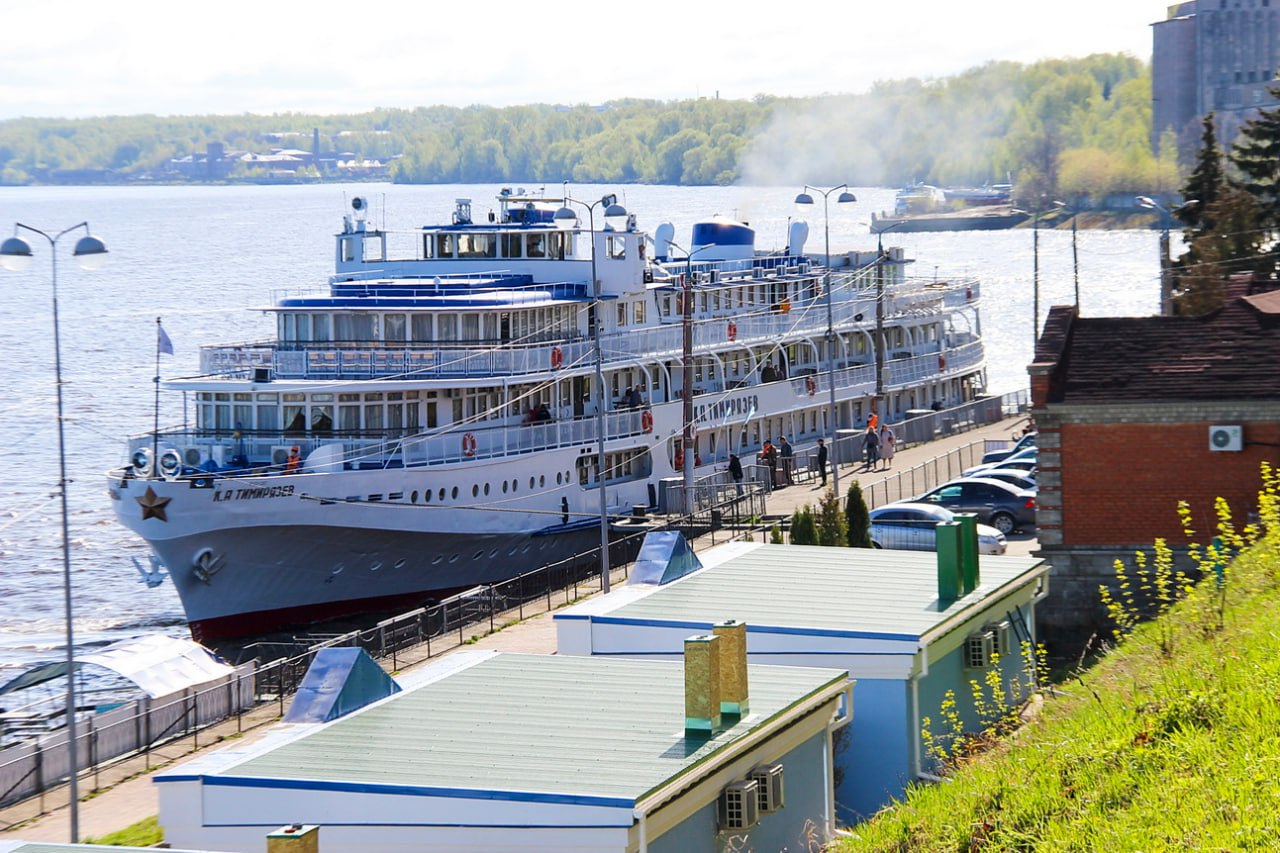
(739, 806)
(1226, 437)
(979, 649)
(280, 453)
(769, 787)
(1004, 637)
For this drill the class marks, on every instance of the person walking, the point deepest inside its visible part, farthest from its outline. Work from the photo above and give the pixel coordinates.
(735, 471)
(871, 447)
(822, 460)
(887, 449)
(788, 455)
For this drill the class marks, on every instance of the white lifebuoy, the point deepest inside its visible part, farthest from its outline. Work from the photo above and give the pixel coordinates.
(557, 357)
(733, 331)
(810, 385)
(646, 420)
(469, 445)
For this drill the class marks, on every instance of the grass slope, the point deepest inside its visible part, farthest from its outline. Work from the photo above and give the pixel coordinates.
(1171, 742)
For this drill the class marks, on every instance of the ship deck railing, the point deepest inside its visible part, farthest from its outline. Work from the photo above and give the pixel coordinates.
(212, 451)
(329, 360)
(208, 454)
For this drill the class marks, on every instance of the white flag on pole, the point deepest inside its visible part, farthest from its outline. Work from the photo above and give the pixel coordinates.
(163, 344)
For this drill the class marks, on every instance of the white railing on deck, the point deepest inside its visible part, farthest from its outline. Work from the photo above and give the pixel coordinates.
(312, 361)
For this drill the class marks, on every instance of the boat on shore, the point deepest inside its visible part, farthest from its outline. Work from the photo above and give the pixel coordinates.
(427, 421)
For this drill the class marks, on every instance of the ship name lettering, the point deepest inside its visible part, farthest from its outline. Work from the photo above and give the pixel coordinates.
(252, 493)
(728, 408)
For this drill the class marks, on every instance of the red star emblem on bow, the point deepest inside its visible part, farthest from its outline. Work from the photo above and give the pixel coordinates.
(153, 505)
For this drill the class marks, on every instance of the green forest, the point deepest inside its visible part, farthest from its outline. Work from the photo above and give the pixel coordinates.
(1076, 127)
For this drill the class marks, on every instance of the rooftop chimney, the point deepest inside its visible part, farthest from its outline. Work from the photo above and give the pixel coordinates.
(950, 583)
(733, 667)
(294, 838)
(702, 684)
(968, 552)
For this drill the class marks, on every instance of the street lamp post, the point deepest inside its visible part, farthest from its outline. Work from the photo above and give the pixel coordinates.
(846, 197)
(15, 254)
(566, 219)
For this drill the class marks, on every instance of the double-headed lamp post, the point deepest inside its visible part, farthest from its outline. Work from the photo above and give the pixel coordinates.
(845, 197)
(15, 254)
(565, 219)
(1166, 262)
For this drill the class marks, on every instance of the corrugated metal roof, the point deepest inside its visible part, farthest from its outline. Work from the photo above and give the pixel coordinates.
(572, 729)
(893, 594)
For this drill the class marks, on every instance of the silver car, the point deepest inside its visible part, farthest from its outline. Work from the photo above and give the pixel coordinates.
(910, 527)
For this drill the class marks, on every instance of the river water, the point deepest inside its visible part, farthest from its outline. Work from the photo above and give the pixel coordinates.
(203, 258)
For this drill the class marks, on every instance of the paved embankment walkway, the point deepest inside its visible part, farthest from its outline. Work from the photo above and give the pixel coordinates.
(130, 796)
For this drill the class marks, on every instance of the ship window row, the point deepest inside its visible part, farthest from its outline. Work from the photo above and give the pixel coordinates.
(778, 295)
(536, 324)
(555, 245)
(625, 465)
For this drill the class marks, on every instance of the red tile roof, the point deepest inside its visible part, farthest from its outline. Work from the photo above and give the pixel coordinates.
(1230, 354)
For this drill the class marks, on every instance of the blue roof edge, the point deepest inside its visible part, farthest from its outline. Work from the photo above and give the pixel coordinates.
(406, 790)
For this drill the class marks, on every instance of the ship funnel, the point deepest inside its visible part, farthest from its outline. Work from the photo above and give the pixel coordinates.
(722, 239)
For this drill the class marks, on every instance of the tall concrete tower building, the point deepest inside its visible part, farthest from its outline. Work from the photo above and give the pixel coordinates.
(1217, 56)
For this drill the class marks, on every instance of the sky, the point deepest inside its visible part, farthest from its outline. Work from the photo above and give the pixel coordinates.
(77, 58)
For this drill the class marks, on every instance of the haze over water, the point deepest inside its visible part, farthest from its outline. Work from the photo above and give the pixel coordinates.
(202, 257)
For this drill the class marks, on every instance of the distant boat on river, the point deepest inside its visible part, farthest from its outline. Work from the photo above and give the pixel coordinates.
(920, 207)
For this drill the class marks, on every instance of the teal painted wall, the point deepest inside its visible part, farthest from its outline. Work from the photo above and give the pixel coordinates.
(873, 753)
(792, 827)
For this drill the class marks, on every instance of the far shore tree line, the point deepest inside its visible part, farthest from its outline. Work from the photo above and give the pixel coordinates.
(1067, 128)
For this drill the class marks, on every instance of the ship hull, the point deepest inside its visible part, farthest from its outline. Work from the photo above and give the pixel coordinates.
(258, 580)
(949, 222)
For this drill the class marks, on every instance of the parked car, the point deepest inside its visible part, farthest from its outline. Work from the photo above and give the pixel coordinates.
(1005, 507)
(1027, 440)
(1014, 476)
(910, 527)
(1024, 459)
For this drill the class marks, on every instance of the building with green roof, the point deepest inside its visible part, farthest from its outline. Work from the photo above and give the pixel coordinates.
(880, 615)
(491, 751)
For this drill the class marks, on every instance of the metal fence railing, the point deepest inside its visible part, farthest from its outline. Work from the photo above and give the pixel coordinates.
(258, 692)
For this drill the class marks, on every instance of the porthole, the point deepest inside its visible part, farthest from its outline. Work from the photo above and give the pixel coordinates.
(400, 563)
(504, 487)
(493, 554)
(475, 491)
(486, 490)
(542, 481)
(437, 559)
(454, 493)
(557, 478)
(337, 570)
(525, 549)
(376, 565)
(533, 483)
(442, 494)
(413, 498)
(426, 496)
(479, 556)
(453, 558)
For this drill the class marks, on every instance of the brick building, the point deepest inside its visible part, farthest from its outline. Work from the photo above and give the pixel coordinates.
(1135, 415)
